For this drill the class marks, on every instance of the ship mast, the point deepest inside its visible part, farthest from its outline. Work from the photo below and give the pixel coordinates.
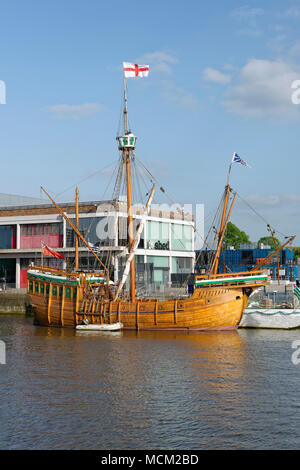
(77, 226)
(127, 145)
(224, 222)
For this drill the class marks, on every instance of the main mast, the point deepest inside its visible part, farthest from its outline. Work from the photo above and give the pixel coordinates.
(127, 145)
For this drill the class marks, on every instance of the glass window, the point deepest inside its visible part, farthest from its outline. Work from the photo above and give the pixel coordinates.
(158, 261)
(42, 290)
(181, 265)
(60, 291)
(54, 290)
(74, 292)
(36, 287)
(181, 237)
(68, 292)
(47, 288)
(29, 230)
(30, 286)
(157, 235)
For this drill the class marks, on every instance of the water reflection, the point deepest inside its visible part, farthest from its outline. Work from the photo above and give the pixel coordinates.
(65, 389)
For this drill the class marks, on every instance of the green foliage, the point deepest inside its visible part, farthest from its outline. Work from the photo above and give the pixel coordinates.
(297, 252)
(234, 236)
(269, 241)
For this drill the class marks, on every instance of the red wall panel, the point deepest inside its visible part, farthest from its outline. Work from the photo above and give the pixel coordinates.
(34, 241)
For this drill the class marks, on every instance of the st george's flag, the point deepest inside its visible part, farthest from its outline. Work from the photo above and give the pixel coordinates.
(237, 159)
(47, 251)
(135, 70)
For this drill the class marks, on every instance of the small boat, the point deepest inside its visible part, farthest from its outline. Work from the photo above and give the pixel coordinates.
(284, 319)
(104, 327)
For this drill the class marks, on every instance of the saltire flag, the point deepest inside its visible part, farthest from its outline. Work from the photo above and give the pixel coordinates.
(296, 292)
(47, 251)
(236, 158)
(135, 70)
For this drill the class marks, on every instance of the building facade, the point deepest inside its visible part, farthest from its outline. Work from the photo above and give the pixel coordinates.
(165, 255)
(250, 255)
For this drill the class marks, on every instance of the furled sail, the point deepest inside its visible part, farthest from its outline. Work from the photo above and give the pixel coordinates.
(135, 243)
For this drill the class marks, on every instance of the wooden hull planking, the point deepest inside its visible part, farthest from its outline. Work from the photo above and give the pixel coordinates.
(207, 308)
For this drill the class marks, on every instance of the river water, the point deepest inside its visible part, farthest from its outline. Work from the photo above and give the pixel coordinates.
(62, 389)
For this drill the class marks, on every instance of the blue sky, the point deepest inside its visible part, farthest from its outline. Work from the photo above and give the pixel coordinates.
(220, 82)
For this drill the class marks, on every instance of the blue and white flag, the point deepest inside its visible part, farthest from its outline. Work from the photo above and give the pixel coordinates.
(236, 158)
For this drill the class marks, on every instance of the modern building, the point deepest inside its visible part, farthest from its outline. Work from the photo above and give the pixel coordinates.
(165, 254)
(251, 254)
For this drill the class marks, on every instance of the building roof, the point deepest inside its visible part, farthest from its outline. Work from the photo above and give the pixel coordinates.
(9, 200)
(12, 205)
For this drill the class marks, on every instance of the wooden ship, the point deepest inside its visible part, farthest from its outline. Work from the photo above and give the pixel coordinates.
(64, 298)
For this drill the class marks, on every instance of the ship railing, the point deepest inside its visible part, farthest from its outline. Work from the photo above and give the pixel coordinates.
(260, 272)
(257, 277)
(62, 272)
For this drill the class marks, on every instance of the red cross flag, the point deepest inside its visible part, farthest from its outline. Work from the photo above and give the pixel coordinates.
(135, 70)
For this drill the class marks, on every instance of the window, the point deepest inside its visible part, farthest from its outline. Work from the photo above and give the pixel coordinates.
(30, 286)
(42, 288)
(47, 289)
(54, 291)
(53, 229)
(60, 291)
(36, 229)
(74, 292)
(36, 287)
(68, 292)
(181, 237)
(157, 235)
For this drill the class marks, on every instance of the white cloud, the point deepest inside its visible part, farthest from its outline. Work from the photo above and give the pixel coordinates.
(273, 200)
(263, 89)
(246, 13)
(295, 49)
(249, 17)
(213, 75)
(74, 111)
(178, 95)
(293, 12)
(159, 61)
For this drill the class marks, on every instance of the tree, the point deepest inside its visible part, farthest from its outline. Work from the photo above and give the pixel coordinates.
(297, 252)
(269, 241)
(234, 236)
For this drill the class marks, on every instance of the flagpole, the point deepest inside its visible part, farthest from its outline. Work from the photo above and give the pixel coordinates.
(229, 170)
(125, 106)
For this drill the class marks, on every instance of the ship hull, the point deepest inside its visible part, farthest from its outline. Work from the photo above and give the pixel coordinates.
(206, 309)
